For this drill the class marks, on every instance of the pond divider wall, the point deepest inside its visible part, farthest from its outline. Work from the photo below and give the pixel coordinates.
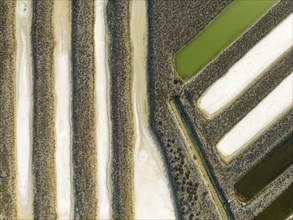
(117, 20)
(43, 156)
(7, 111)
(84, 109)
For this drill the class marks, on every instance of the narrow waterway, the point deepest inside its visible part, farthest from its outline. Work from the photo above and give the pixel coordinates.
(24, 102)
(152, 194)
(102, 111)
(62, 68)
(204, 167)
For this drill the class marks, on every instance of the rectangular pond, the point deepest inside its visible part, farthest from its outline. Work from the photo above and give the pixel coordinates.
(274, 164)
(233, 21)
(281, 208)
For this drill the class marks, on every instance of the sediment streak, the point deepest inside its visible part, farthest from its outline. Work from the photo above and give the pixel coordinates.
(62, 69)
(103, 115)
(24, 101)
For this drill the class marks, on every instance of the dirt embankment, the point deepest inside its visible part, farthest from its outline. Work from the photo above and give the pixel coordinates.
(121, 109)
(7, 111)
(83, 109)
(43, 111)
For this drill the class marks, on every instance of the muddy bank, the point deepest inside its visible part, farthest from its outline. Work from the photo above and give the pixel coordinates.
(117, 13)
(7, 111)
(83, 110)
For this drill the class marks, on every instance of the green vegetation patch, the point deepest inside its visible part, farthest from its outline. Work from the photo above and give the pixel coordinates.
(222, 31)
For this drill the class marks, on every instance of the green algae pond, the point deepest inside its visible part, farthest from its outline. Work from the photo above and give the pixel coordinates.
(274, 164)
(233, 21)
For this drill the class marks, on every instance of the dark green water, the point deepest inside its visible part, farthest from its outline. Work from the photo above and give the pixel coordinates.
(266, 171)
(280, 209)
(222, 31)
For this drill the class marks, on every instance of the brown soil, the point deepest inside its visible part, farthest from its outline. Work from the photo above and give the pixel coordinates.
(7, 111)
(121, 109)
(43, 112)
(83, 110)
